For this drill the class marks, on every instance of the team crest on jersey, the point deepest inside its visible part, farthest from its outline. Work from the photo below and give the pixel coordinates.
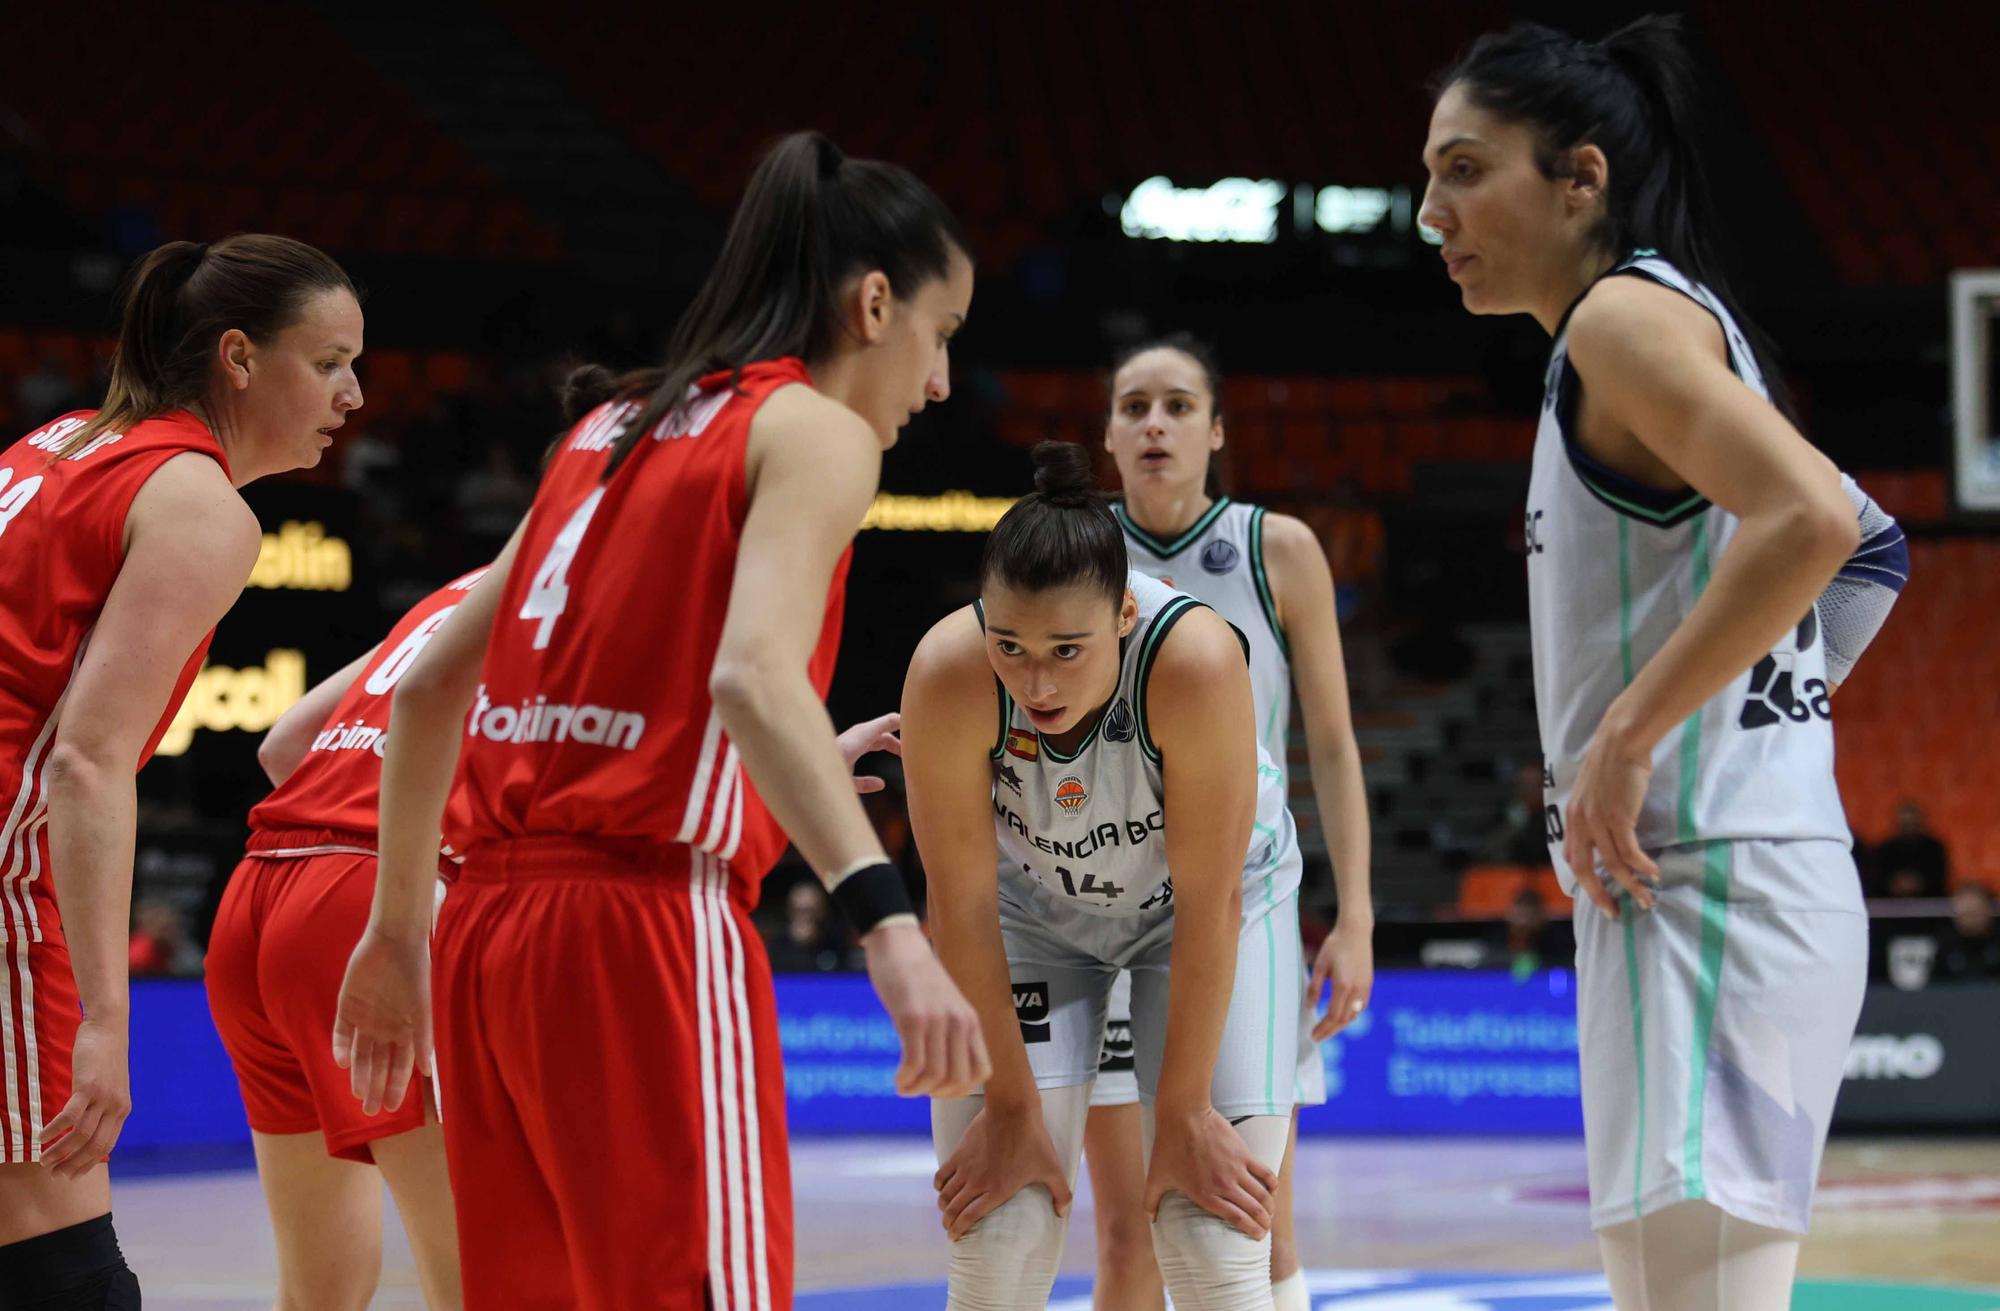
(1022, 743)
(1118, 724)
(1071, 794)
(1220, 557)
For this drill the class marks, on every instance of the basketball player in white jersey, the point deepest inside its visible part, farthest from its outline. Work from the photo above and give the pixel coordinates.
(1088, 794)
(1679, 532)
(1268, 576)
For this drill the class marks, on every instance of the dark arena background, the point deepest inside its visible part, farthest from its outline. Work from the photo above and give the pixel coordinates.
(519, 187)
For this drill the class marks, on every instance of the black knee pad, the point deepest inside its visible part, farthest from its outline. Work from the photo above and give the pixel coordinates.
(75, 1269)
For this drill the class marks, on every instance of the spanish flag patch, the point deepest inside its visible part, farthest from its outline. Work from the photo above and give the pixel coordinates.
(1024, 744)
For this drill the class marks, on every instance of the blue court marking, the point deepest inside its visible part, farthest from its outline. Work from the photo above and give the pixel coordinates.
(1406, 1290)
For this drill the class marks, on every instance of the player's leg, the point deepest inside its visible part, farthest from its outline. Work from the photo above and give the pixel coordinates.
(326, 1214)
(1288, 1279)
(1128, 1274)
(1210, 1264)
(413, 1164)
(1008, 1260)
(1693, 1256)
(56, 1235)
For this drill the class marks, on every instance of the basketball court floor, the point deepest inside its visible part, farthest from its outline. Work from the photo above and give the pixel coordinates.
(1385, 1224)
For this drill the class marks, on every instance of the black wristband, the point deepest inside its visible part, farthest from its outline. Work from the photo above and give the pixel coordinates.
(870, 895)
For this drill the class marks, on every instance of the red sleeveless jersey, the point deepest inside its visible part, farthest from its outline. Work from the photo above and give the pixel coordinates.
(334, 796)
(593, 717)
(62, 530)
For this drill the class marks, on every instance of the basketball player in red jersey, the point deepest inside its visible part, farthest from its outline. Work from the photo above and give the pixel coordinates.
(290, 917)
(646, 728)
(122, 542)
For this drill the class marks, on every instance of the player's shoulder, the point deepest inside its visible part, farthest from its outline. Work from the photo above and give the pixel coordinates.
(1621, 316)
(950, 663)
(797, 411)
(1200, 645)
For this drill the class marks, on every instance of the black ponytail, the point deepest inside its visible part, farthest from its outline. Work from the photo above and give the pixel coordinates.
(1061, 534)
(1635, 96)
(180, 300)
(810, 219)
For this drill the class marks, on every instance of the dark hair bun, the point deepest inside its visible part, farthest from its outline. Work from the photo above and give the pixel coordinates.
(584, 388)
(1063, 476)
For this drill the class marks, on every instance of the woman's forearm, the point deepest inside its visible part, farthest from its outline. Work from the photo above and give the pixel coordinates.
(1208, 917)
(93, 808)
(970, 946)
(1766, 581)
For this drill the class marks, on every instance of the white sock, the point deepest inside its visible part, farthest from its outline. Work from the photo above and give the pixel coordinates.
(1289, 1293)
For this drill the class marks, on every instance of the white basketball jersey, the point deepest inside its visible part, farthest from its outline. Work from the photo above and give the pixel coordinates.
(1614, 567)
(1090, 826)
(1220, 560)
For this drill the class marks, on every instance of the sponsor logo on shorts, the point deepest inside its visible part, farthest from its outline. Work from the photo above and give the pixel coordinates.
(1119, 726)
(1219, 558)
(1071, 794)
(1024, 744)
(1031, 1008)
(1118, 1055)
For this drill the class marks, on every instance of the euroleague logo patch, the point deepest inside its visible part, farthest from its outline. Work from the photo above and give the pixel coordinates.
(1220, 557)
(1118, 724)
(1071, 794)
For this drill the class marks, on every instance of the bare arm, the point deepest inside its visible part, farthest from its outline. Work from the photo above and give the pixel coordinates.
(812, 469)
(191, 543)
(428, 712)
(1660, 399)
(1202, 717)
(285, 746)
(1303, 585)
(950, 714)
(382, 1021)
(1204, 723)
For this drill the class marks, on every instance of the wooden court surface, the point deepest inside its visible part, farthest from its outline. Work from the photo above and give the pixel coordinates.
(1922, 1211)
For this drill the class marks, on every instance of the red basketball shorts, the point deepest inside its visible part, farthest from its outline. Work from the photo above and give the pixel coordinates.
(613, 1098)
(283, 935)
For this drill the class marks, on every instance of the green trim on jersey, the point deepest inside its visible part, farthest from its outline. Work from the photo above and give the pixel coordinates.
(1167, 550)
(1629, 915)
(1170, 614)
(1691, 728)
(1717, 861)
(1263, 581)
(1670, 517)
(1048, 748)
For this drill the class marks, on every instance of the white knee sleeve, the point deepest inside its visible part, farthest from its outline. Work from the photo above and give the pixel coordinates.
(1208, 1263)
(1007, 1262)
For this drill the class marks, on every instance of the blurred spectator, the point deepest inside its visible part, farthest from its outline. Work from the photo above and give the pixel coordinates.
(160, 942)
(45, 394)
(1529, 943)
(492, 497)
(1520, 834)
(808, 941)
(1971, 950)
(1913, 863)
